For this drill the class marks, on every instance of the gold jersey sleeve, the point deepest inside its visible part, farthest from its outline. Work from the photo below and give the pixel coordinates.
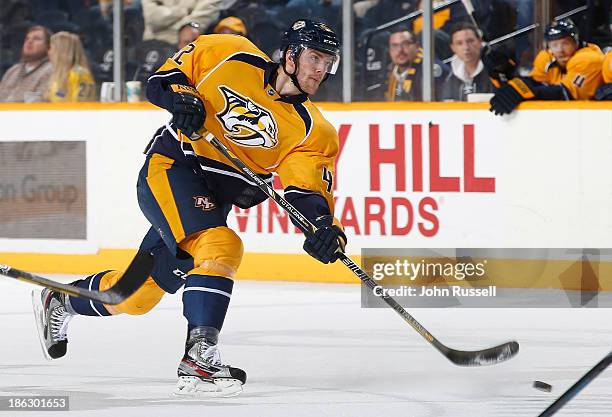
(310, 166)
(199, 58)
(607, 68)
(581, 77)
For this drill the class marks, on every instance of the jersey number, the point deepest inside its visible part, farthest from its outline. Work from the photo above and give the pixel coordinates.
(579, 80)
(186, 50)
(328, 178)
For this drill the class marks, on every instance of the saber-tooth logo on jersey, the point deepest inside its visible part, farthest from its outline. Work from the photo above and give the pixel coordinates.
(247, 123)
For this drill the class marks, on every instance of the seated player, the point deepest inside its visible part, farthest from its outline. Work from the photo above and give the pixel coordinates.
(567, 70)
(224, 85)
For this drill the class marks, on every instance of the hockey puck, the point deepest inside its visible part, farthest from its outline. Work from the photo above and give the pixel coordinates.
(542, 386)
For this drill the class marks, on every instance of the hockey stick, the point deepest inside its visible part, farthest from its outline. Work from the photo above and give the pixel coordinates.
(458, 357)
(136, 274)
(578, 386)
(469, 8)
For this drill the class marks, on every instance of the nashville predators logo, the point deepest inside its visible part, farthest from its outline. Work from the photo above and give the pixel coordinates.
(204, 202)
(247, 123)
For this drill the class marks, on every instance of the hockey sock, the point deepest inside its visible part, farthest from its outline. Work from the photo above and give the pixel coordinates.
(205, 300)
(87, 307)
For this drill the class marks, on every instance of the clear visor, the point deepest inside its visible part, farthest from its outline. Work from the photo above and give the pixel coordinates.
(323, 61)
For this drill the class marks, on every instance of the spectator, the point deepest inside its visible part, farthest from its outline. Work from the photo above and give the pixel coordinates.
(164, 18)
(28, 80)
(188, 33)
(567, 70)
(404, 82)
(232, 25)
(467, 73)
(71, 79)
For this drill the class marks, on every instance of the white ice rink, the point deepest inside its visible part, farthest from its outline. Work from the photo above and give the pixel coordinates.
(310, 350)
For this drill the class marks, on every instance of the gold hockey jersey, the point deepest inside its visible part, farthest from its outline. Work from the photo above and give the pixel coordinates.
(269, 133)
(582, 74)
(80, 86)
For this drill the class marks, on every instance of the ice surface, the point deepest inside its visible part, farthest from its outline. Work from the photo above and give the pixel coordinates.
(310, 350)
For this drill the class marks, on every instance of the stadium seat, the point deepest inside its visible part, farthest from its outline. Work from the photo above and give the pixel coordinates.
(149, 56)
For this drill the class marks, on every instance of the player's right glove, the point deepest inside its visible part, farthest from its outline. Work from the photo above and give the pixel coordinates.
(520, 89)
(511, 95)
(187, 108)
(499, 65)
(326, 242)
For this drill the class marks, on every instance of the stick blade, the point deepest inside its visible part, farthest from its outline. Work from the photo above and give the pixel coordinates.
(133, 278)
(483, 357)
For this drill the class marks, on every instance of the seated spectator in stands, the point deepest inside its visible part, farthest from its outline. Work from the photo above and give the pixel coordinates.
(29, 79)
(568, 69)
(164, 18)
(405, 78)
(467, 74)
(188, 33)
(71, 79)
(232, 25)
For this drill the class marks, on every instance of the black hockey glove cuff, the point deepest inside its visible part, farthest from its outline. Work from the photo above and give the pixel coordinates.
(326, 242)
(511, 94)
(187, 108)
(499, 65)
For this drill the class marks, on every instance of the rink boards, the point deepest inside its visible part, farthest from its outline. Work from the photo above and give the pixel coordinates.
(438, 175)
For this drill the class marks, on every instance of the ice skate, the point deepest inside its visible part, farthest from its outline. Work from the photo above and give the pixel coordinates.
(51, 321)
(201, 372)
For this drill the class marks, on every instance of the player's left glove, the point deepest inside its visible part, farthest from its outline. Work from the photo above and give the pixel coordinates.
(187, 108)
(326, 242)
(511, 94)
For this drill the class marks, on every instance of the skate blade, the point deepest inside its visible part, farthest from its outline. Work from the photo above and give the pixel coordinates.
(191, 386)
(38, 309)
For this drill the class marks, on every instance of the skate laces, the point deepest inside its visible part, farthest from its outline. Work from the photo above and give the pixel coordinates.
(59, 323)
(209, 354)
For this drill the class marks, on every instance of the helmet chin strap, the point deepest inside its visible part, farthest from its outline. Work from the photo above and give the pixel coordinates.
(293, 76)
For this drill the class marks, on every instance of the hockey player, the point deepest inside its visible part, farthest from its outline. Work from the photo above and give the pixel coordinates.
(224, 85)
(567, 70)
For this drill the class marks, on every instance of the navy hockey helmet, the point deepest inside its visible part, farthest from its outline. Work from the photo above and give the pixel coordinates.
(306, 33)
(562, 29)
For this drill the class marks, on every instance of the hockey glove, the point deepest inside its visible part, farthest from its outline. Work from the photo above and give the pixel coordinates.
(510, 95)
(187, 108)
(604, 92)
(326, 242)
(499, 65)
